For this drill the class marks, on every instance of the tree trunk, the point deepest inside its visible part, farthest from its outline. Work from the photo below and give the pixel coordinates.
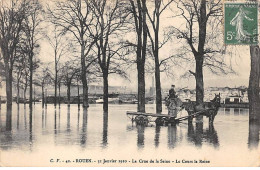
(199, 81)
(105, 127)
(158, 90)
(156, 60)
(84, 78)
(31, 82)
(199, 56)
(141, 55)
(42, 96)
(24, 96)
(25, 89)
(141, 87)
(34, 94)
(68, 94)
(59, 94)
(18, 93)
(78, 95)
(9, 118)
(253, 88)
(55, 81)
(105, 90)
(9, 82)
(253, 135)
(199, 84)
(30, 125)
(46, 98)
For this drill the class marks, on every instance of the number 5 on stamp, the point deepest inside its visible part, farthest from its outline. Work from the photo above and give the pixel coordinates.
(240, 23)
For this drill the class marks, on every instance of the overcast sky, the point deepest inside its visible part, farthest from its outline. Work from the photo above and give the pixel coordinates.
(239, 62)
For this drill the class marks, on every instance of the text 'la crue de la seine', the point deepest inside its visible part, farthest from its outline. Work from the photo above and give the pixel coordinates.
(131, 161)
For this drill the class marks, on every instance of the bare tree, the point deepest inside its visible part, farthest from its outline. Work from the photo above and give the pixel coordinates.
(32, 35)
(2, 76)
(74, 17)
(109, 22)
(153, 33)
(11, 20)
(254, 89)
(138, 11)
(77, 82)
(204, 16)
(44, 78)
(25, 80)
(60, 47)
(22, 66)
(69, 71)
(254, 84)
(59, 82)
(18, 69)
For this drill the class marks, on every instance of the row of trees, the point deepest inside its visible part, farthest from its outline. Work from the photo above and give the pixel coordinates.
(102, 36)
(19, 42)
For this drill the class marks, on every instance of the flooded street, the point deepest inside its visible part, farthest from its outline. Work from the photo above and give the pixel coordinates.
(35, 138)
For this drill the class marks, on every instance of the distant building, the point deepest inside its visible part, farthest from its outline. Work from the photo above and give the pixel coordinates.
(234, 94)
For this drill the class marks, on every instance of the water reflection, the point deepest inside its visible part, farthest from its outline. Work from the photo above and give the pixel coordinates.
(140, 136)
(30, 127)
(198, 135)
(172, 136)
(227, 111)
(8, 137)
(253, 135)
(105, 126)
(59, 116)
(157, 136)
(43, 118)
(83, 137)
(61, 122)
(55, 121)
(236, 111)
(8, 119)
(78, 119)
(68, 119)
(243, 111)
(18, 116)
(24, 116)
(212, 136)
(1, 126)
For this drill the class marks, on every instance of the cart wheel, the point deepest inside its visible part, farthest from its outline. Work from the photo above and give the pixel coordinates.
(166, 120)
(172, 120)
(159, 121)
(141, 120)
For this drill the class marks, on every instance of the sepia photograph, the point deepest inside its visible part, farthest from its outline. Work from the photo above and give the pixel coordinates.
(129, 83)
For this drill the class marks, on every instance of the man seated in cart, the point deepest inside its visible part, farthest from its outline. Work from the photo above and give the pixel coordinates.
(172, 93)
(172, 102)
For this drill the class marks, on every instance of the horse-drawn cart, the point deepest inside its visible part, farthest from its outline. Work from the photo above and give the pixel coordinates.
(174, 108)
(160, 119)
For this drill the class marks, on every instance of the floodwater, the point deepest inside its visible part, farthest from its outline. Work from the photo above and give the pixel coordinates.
(63, 136)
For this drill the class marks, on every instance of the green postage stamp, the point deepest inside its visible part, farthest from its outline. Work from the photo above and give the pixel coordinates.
(241, 23)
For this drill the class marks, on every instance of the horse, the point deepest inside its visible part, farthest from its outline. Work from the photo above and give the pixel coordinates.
(209, 110)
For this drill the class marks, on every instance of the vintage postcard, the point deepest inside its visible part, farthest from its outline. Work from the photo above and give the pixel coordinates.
(129, 83)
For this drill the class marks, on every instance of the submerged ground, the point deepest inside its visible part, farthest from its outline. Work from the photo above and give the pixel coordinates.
(71, 137)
